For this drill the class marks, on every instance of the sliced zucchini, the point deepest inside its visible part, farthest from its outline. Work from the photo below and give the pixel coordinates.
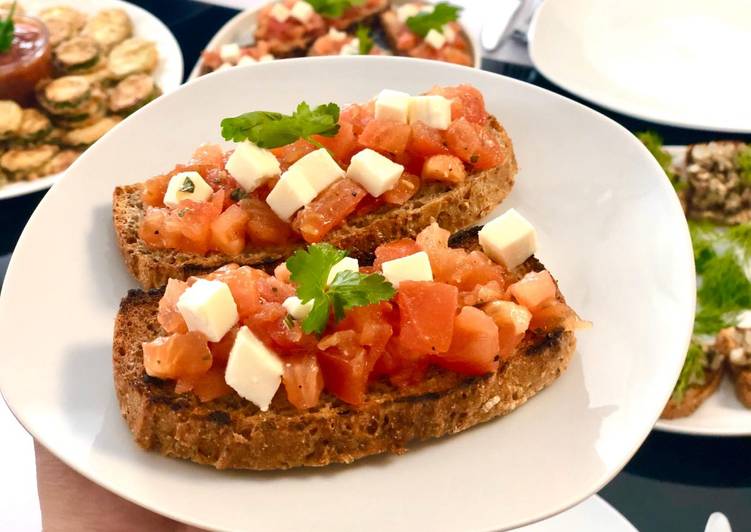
(133, 92)
(76, 54)
(59, 30)
(11, 115)
(63, 93)
(34, 126)
(109, 27)
(73, 16)
(92, 112)
(25, 161)
(88, 135)
(60, 162)
(133, 56)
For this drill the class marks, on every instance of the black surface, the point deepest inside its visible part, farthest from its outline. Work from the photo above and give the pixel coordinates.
(673, 482)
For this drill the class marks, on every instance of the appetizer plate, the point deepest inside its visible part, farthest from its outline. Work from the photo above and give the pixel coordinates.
(674, 61)
(168, 75)
(609, 226)
(241, 27)
(592, 515)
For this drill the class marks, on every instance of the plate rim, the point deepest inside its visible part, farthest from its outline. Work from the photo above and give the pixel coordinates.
(47, 182)
(683, 241)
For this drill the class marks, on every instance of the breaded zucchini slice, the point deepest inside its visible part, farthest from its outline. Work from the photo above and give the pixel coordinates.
(86, 136)
(34, 126)
(132, 56)
(76, 54)
(132, 93)
(109, 27)
(11, 115)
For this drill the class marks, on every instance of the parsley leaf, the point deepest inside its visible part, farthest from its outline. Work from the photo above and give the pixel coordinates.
(743, 162)
(272, 130)
(7, 30)
(333, 8)
(365, 40)
(238, 194)
(692, 373)
(310, 270)
(443, 13)
(653, 142)
(188, 185)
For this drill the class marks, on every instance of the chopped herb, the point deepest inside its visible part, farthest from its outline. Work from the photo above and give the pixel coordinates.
(289, 321)
(7, 30)
(743, 162)
(365, 40)
(182, 212)
(474, 158)
(333, 8)
(442, 13)
(692, 373)
(653, 142)
(310, 270)
(188, 185)
(272, 130)
(238, 194)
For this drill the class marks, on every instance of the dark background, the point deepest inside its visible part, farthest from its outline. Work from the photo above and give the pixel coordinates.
(673, 482)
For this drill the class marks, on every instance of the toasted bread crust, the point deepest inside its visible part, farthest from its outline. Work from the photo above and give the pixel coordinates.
(741, 376)
(231, 432)
(694, 397)
(453, 208)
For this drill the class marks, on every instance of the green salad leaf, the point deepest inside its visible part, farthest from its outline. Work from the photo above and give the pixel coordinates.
(365, 40)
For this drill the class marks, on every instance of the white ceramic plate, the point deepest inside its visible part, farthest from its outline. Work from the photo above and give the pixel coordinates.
(610, 229)
(672, 61)
(169, 72)
(242, 27)
(721, 414)
(592, 515)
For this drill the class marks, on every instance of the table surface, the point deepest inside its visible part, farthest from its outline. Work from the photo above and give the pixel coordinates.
(672, 483)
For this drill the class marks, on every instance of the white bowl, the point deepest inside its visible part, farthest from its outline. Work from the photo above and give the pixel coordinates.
(610, 229)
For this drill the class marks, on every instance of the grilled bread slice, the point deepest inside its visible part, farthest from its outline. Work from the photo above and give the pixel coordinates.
(693, 397)
(231, 432)
(453, 208)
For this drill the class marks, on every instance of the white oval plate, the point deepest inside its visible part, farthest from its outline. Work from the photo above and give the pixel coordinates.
(592, 515)
(241, 27)
(673, 61)
(609, 226)
(169, 72)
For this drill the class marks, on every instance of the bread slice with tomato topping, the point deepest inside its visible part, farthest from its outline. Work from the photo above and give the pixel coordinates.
(226, 431)
(456, 188)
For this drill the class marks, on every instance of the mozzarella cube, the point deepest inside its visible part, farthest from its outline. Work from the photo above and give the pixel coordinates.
(266, 58)
(230, 53)
(406, 11)
(449, 33)
(433, 110)
(246, 60)
(253, 370)
(744, 320)
(347, 264)
(290, 194)
(336, 35)
(187, 185)
(296, 308)
(318, 168)
(509, 239)
(251, 166)
(392, 105)
(280, 12)
(209, 308)
(435, 39)
(351, 48)
(415, 267)
(376, 173)
(302, 11)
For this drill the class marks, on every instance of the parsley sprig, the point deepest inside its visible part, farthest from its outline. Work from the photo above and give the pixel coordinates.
(7, 30)
(272, 130)
(310, 270)
(333, 8)
(443, 13)
(653, 142)
(364, 39)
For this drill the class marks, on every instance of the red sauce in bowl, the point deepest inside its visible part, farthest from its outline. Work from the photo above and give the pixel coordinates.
(27, 61)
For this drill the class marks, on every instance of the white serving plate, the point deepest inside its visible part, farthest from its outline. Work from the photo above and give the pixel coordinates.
(675, 62)
(169, 72)
(241, 28)
(592, 515)
(610, 229)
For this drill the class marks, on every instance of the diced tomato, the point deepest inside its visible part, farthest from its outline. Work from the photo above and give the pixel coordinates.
(194, 219)
(452, 54)
(154, 190)
(371, 323)
(426, 319)
(357, 115)
(208, 154)
(150, 230)
(446, 168)
(481, 294)
(489, 152)
(426, 141)
(303, 380)
(219, 179)
(211, 59)
(169, 317)
(291, 153)
(345, 366)
(405, 188)
(475, 269)
(177, 356)
(474, 345)
(264, 227)
(385, 136)
(211, 385)
(443, 260)
(466, 101)
(265, 318)
(242, 282)
(512, 321)
(395, 250)
(463, 139)
(220, 350)
(342, 145)
(282, 273)
(406, 41)
(534, 289)
(554, 314)
(228, 231)
(274, 290)
(328, 210)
